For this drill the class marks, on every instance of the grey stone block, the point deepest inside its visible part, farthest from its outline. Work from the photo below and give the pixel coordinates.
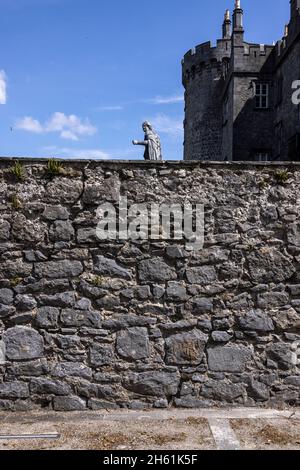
(229, 358)
(186, 348)
(23, 343)
(155, 270)
(133, 344)
(69, 404)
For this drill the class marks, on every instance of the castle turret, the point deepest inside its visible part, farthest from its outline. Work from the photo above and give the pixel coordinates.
(295, 8)
(227, 25)
(238, 29)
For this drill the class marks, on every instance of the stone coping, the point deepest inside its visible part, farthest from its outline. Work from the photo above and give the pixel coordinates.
(170, 163)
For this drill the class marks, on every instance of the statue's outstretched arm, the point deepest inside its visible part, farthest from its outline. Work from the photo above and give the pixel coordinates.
(140, 142)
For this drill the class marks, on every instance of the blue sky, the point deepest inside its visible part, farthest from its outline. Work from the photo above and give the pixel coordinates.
(78, 77)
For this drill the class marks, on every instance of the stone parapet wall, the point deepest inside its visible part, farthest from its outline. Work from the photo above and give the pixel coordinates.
(89, 324)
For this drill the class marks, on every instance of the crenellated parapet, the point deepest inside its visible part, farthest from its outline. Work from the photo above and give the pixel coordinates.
(204, 57)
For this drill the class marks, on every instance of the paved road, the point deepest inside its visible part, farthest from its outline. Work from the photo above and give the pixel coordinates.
(153, 430)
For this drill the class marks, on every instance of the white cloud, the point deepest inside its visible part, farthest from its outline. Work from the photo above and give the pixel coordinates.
(3, 95)
(90, 154)
(110, 108)
(84, 154)
(167, 99)
(168, 125)
(69, 127)
(30, 125)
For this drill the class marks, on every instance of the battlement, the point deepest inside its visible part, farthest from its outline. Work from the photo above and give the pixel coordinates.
(257, 50)
(205, 56)
(291, 33)
(205, 52)
(224, 113)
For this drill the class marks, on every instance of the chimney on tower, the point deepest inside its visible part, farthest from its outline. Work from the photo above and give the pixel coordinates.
(227, 25)
(238, 17)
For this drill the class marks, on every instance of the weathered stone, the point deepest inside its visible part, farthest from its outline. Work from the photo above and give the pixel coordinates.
(29, 369)
(6, 405)
(293, 235)
(69, 404)
(294, 289)
(221, 337)
(270, 213)
(101, 355)
(55, 212)
(269, 265)
(287, 319)
(178, 326)
(293, 380)
(203, 275)
(205, 324)
(87, 235)
(108, 392)
(222, 391)
(72, 369)
(108, 267)
(258, 390)
(31, 256)
(91, 291)
(23, 343)
(176, 252)
(202, 305)
(273, 299)
(105, 190)
(42, 386)
(223, 323)
(16, 268)
(156, 383)
(13, 390)
(59, 269)
(158, 291)
(99, 332)
(6, 311)
(83, 304)
(95, 404)
(4, 230)
(155, 270)
(133, 343)
(2, 352)
(228, 358)
(25, 230)
(119, 322)
(23, 318)
(191, 403)
(256, 320)
(186, 348)
(176, 291)
(141, 293)
(6, 296)
(25, 302)
(47, 317)
(283, 354)
(61, 231)
(64, 190)
(72, 317)
(212, 255)
(43, 285)
(68, 342)
(62, 300)
(108, 302)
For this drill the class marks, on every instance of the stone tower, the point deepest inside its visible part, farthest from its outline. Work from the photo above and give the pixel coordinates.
(238, 95)
(203, 69)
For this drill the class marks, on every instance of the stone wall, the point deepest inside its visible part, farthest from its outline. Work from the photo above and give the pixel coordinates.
(86, 324)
